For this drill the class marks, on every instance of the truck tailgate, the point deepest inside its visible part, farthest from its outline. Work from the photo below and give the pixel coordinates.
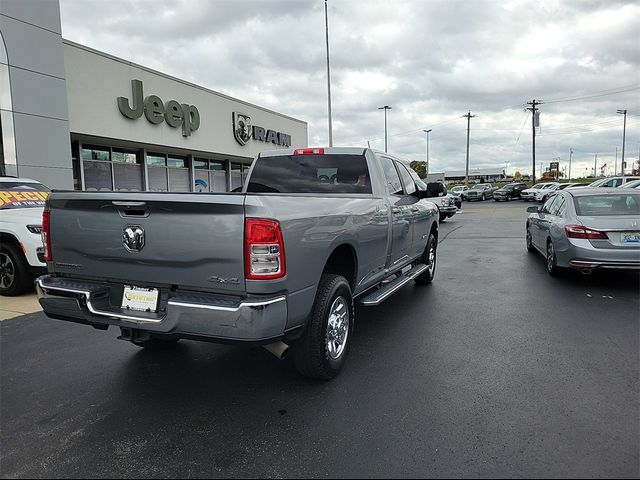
(189, 240)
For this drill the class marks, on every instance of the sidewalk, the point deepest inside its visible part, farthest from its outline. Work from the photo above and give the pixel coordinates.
(11, 307)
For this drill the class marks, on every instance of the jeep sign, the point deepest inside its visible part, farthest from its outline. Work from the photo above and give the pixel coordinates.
(174, 113)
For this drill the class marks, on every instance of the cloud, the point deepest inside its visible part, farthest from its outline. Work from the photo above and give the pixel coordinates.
(432, 61)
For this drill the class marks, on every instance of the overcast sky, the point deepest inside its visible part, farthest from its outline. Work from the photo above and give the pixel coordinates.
(431, 61)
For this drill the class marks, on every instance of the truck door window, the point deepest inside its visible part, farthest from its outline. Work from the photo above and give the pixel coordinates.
(409, 184)
(391, 176)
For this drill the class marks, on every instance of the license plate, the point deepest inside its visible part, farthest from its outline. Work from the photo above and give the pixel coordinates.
(141, 299)
(627, 238)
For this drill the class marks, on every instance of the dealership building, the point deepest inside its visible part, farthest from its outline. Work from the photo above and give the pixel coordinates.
(76, 118)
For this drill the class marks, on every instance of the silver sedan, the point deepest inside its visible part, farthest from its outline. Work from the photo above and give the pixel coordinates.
(586, 229)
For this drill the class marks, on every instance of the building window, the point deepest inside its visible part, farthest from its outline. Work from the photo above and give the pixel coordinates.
(210, 175)
(75, 162)
(157, 171)
(179, 180)
(107, 169)
(97, 168)
(168, 173)
(127, 171)
(239, 173)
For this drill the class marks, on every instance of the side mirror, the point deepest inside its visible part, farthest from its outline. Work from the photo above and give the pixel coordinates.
(434, 189)
(533, 209)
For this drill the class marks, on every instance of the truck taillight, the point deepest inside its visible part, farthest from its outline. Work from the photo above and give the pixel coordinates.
(263, 250)
(309, 151)
(580, 231)
(46, 235)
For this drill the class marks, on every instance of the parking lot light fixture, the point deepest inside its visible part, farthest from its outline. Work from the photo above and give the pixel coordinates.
(624, 131)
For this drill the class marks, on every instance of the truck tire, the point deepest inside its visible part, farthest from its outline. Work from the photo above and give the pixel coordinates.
(156, 344)
(321, 351)
(15, 276)
(429, 258)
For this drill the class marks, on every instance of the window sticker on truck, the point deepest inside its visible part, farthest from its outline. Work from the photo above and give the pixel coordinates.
(22, 199)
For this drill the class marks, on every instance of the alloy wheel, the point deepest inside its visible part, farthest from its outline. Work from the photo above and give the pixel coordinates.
(337, 328)
(7, 271)
(550, 257)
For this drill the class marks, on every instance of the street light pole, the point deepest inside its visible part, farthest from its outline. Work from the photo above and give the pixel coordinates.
(326, 23)
(570, 155)
(385, 108)
(624, 132)
(466, 174)
(427, 132)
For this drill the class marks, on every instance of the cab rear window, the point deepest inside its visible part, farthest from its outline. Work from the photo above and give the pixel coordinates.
(22, 195)
(310, 174)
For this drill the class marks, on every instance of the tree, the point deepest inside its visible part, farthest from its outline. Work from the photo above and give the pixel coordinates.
(517, 175)
(420, 168)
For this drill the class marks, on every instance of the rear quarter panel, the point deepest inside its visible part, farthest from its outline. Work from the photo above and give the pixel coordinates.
(312, 228)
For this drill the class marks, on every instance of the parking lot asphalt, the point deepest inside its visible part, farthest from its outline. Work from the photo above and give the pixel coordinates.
(495, 370)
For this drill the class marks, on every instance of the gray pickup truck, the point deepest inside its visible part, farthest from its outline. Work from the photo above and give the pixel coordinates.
(279, 264)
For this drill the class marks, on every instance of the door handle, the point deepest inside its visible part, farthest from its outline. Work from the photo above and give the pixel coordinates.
(396, 210)
(415, 209)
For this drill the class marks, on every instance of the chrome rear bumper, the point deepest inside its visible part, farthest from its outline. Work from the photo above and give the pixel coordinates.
(180, 314)
(605, 265)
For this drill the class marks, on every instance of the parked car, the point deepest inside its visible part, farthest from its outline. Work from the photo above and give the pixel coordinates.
(509, 191)
(587, 229)
(612, 181)
(444, 202)
(631, 184)
(21, 253)
(562, 186)
(278, 264)
(481, 191)
(529, 194)
(546, 191)
(459, 191)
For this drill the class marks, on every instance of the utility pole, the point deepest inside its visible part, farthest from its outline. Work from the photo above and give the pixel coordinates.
(595, 165)
(427, 132)
(615, 169)
(466, 176)
(326, 23)
(570, 155)
(534, 124)
(385, 108)
(624, 132)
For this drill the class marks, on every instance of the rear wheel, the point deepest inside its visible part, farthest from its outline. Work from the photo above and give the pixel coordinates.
(552, 262)
(529, 241)
(15, 277)
(321, 351)
(429, 258)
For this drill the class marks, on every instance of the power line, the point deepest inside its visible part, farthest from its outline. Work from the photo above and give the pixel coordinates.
(585, 97)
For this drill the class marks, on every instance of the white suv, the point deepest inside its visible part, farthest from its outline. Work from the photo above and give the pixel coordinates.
(531, 193)
(21, 253)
